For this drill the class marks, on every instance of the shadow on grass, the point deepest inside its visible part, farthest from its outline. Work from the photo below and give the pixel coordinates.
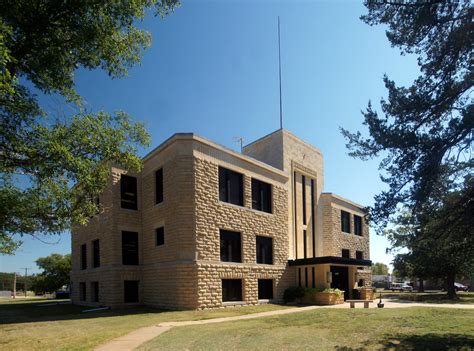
(28, 312)
(429, 342)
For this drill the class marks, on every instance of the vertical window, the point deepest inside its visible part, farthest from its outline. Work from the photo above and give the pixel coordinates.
(82, 291)
(303, 191)
(313, 219)
(359, 255)
(264, 250)
(83, 256)
(129, 248)
(305, 244)
(159, 186)
(96, 253)
(160, 236)
(128, 192)
(231, 290)
(230, 246)
(261, 196)
(299, 276)
(265, 289)
(313, 278)
(305, 277)
(231, 187)
(345, 222)
(130, 291)
(357, 225)
(95, 291)
(345, 253)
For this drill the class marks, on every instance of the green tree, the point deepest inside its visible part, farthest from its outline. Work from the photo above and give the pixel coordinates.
(427, 128)
(55, 273)
(380, 269)
(42, 44)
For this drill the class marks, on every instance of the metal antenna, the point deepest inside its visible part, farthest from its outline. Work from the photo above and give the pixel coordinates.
(279, 71)
(241, 139)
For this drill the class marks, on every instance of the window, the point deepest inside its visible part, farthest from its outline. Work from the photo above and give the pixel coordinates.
(83, 256)
(345, 253)
(129, 248)
(265, 289)
(159, 186)
(82, 291)
(359, 255)
(261, 196)
(230, 246)
(96, 253)
(231, 290)
(345, 222)
(160, 236)
(128, 192)
(303, 192)
(130, 291)
(357, 225)
(95, 291)
(264, 250)
(231, 187)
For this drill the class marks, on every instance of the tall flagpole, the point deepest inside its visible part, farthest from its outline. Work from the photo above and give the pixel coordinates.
(279, 71)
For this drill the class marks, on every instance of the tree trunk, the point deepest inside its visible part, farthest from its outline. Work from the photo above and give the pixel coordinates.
(421, 287)
(450, 286)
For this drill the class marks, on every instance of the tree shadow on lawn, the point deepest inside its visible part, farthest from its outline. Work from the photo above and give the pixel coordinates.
(29, 312)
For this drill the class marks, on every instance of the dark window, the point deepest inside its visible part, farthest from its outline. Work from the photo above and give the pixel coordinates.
(128, 192)
(160, 236)
(230, 246)
(130, 291)
(305, 243)
(96, 253)
(95, 291)
(264, 250)
(159, 185)
(82, 291)
(313, 220)
(357, 225)
(303, 190)
(299, 276)
(261, 196)
(359, 255)
(231, 290)
(306, 277)
(265, 289)
(231, 187)
(129, 248)
(345, 253)
(83, 256)
(313, 278)
(345, 222)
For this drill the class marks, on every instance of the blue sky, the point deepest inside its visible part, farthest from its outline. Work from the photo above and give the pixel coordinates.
(213, 70)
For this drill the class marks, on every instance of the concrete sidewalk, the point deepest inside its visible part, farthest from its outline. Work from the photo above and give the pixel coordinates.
(142, 335)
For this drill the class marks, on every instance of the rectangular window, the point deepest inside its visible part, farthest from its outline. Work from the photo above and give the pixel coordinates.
(82, 291)
(128, 192)
(83, 256)
(129, 248)
(303, 191)
(160, 236)
(265, 289)
(345, 222)
(231, 290)
(231, 187)
(313, 219)
(313, 278)
(264, 250)
(299, 276)
(345, 253)
(357, 225)
(261, 196)
(306, 277)
(130, 291)
(305, 244)
(159, 186)
(96, 253)
(231, 250)
(95, 291)
(359, 255)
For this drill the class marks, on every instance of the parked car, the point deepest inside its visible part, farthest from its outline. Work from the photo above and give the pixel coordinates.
(460, 287)
(401, 287)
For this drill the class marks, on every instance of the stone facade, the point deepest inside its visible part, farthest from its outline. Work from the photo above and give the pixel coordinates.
(186, 271)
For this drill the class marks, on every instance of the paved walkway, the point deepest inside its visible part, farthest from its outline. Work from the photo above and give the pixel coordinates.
(136, 338)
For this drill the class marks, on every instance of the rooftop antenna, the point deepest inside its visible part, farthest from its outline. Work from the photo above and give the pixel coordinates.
(241, 139)
(279, 71)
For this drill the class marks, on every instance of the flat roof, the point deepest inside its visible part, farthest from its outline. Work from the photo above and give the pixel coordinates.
(344, 200)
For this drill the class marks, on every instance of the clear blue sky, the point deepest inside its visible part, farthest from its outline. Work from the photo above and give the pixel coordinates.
(213, 69)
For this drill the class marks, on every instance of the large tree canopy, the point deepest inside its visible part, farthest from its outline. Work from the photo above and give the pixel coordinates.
(56, 269)
(426, 129)
(42, 44)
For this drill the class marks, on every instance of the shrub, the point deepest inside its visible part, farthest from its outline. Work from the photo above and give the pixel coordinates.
(292, 293)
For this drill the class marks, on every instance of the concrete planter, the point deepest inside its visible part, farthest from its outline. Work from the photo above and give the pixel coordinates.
(322, 298)
(366, 293)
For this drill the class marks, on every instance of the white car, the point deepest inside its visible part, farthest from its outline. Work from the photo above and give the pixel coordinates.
(401, 287)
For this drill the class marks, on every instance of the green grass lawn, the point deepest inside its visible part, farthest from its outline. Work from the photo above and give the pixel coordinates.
(331, 329)
(429, 297)
(25, 325)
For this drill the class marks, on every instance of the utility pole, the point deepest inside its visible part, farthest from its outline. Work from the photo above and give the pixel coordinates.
(14, 285)
(26, 275)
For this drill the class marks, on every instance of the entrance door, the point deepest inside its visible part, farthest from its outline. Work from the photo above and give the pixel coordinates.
(340, 279)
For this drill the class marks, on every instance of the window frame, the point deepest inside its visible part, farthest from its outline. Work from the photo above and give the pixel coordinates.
(358, 229)
(137, 300)
(235, 256)
(83, 257)
(95, 254)
(131, 260)
(260, 288)
(347, 215)
(359, 253)
(258, 250)
(262, 194)
(343, 251)
(82, 291)
(160, 232)
(239, 297)
(130, 203)
(226, 191)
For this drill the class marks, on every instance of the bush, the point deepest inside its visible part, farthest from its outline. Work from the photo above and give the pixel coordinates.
(292, 293)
